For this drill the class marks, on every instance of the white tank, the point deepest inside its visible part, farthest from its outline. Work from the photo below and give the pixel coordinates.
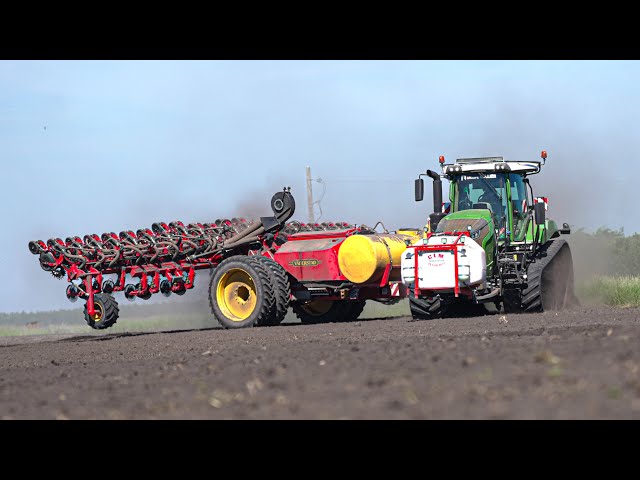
(436, 268)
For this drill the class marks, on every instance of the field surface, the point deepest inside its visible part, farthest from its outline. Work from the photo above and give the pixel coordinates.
(579, 364)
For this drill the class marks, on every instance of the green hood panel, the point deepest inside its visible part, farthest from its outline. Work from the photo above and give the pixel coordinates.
(482, 229)
(470, 214)
(478, 221)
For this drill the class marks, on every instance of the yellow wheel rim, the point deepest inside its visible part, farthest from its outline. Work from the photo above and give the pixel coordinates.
(236, 295)
(318, 307)
(98, 315)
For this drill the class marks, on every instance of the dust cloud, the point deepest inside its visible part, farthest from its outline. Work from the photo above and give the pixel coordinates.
(587, 178)
(250, 204)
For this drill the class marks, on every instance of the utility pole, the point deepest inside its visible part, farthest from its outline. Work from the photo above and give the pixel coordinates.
(310, 197)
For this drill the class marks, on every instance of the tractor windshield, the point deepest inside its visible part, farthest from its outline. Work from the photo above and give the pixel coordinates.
(482, 190)
(489, 191)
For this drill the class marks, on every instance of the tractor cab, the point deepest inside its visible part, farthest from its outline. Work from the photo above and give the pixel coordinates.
(503, 195)
(496, 185)
(495, 245)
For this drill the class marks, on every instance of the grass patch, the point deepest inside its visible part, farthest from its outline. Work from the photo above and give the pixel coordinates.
(614, 393)
(618, 291)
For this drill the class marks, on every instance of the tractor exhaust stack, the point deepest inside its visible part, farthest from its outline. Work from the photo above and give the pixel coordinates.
(437, 190)
(437, 214)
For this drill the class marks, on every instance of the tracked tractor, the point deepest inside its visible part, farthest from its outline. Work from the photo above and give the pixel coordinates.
(492, 244)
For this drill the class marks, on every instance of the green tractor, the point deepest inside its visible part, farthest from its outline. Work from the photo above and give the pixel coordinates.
(495, 246)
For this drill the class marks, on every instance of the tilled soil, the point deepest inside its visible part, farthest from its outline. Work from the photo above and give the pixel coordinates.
(579, 364)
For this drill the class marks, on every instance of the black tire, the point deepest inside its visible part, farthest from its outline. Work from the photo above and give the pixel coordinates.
(550, 283)
(511, 301)
(281, 288)
(322, 311)
(269, 292)
(354, 310)
(426, 308)
(108, 310)
(255, 285)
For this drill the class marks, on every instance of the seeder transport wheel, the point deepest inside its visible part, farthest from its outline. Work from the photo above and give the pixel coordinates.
(238, 293)
(279, 281)
(106, 314)
(327, 311)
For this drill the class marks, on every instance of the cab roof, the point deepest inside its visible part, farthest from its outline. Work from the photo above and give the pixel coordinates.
(490, 165)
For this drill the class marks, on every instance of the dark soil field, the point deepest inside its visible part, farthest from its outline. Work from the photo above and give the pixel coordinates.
(579, 364)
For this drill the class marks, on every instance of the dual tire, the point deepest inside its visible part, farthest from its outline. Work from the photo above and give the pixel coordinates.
(426, 308)
(249, 291)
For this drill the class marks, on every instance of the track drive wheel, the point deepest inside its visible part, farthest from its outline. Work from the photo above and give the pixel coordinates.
(550, 282)
(239, 293)
(107, 312)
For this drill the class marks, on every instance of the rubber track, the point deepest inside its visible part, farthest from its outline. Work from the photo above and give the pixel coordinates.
(531, 299)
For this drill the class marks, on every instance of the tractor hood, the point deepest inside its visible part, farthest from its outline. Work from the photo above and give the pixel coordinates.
(467, 215)
(477, 220)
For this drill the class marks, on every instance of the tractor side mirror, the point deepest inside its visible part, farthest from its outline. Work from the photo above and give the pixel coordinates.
(419, 189)
(540, 213)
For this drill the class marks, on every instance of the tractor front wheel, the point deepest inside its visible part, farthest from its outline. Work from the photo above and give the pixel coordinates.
(426, 308)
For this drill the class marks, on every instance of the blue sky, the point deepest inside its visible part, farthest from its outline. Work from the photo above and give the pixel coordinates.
(128, 143)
